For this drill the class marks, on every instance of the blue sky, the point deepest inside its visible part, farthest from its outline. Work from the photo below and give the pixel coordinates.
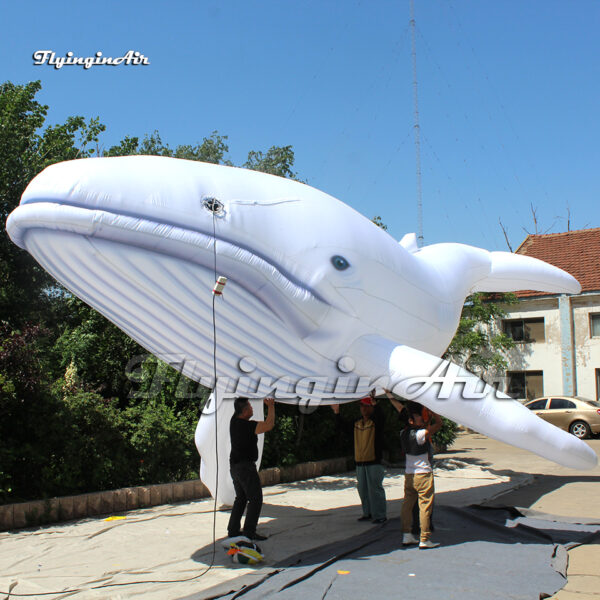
(508, 97)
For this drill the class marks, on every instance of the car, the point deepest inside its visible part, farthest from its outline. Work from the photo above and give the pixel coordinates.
(578, 416)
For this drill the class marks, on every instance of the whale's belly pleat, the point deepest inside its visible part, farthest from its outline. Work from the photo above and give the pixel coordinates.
(161, 302)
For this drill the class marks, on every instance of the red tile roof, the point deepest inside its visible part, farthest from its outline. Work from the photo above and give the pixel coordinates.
(577, 252)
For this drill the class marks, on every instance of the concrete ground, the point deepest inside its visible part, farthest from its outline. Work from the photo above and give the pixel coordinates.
(163, 552)
(554, 490)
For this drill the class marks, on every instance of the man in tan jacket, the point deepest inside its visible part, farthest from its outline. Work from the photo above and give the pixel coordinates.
(368, 449)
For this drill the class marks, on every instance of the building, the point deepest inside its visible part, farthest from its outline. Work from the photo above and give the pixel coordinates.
(557, 337)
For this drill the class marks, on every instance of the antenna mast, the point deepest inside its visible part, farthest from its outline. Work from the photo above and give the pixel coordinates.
(417, 128)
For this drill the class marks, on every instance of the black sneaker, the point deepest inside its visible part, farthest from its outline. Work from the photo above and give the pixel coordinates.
(379, 521)
(364, 518)
(257, 537)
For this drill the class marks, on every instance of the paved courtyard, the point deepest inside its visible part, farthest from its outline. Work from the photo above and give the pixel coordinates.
(164, 552)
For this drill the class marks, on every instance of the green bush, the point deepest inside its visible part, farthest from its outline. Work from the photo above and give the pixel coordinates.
(30, 421)
(163, 441)
(445, 437)
(94, 452)
(299, 437)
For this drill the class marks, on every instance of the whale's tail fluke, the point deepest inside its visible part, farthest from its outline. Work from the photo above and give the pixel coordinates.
(459, 395)
(511, 272)
(483, 271)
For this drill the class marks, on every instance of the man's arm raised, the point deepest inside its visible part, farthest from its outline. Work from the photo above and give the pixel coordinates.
(399, 406)
(269, 422)
(435, 423)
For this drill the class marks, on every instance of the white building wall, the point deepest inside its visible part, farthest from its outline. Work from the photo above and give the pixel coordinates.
(587, 349)
(546, 356)
(538, 356)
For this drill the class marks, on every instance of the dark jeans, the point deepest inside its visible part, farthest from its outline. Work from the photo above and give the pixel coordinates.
(247, 491)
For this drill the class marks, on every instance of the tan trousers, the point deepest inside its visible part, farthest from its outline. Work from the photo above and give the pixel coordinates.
(418, 486)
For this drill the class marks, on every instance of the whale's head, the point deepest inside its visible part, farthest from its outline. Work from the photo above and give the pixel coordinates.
(138, 237)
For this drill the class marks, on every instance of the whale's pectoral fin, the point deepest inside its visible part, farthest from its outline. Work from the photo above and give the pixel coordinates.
(511, 272)
(453, 392)
(213, 444)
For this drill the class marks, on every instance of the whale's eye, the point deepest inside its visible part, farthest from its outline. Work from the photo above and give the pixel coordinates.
(339, 262)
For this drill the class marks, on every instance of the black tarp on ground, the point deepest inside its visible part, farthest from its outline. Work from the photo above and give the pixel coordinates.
(485, 553)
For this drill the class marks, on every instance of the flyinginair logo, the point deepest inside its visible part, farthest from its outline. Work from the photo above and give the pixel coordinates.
(48, 57)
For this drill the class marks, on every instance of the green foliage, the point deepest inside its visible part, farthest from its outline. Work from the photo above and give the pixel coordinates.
(154, 379)
(62, 439)
(24, 152)
(377, 220)
(212, 149)
(163, 440)
(279, 446)
(473, 345)
(126, 147)
(99, 350)
(287, 444)
(299, 437)
(446, 436)
(153, 144)
(93, 452)
(28, 409)
(277, 161)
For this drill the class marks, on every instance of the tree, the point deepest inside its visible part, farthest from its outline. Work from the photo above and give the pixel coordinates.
(212, 149)
(24, 152)
(278, 160)
(377, 220)
(126, 147)
(28, 410)
(68, 409)
(474, 345)
(97, 349)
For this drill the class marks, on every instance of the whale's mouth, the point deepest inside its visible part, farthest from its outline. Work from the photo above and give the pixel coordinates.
(297, 306)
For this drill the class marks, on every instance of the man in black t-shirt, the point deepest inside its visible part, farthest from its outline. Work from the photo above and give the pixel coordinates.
(242, 465)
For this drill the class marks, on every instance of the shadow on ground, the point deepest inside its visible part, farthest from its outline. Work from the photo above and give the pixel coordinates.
(481, 546)
(489, 549)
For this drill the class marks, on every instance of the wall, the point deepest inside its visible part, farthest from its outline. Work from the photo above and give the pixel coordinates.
(538, 356)
(587, 349)
(67, 508)
(546, 356)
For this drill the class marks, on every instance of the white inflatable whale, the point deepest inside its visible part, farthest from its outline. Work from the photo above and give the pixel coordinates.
(315, 289)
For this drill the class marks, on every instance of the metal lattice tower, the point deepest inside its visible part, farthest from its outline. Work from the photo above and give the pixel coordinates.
(416, 127)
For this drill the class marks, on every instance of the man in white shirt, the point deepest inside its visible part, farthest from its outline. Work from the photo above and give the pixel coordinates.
(418, 478)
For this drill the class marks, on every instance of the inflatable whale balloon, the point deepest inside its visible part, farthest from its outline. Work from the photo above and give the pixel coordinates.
(312, 285)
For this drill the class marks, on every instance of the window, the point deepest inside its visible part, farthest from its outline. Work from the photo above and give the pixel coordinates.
(527, 330)
(525, 384)
(537, 405)
(594, 325)
(558, 403)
